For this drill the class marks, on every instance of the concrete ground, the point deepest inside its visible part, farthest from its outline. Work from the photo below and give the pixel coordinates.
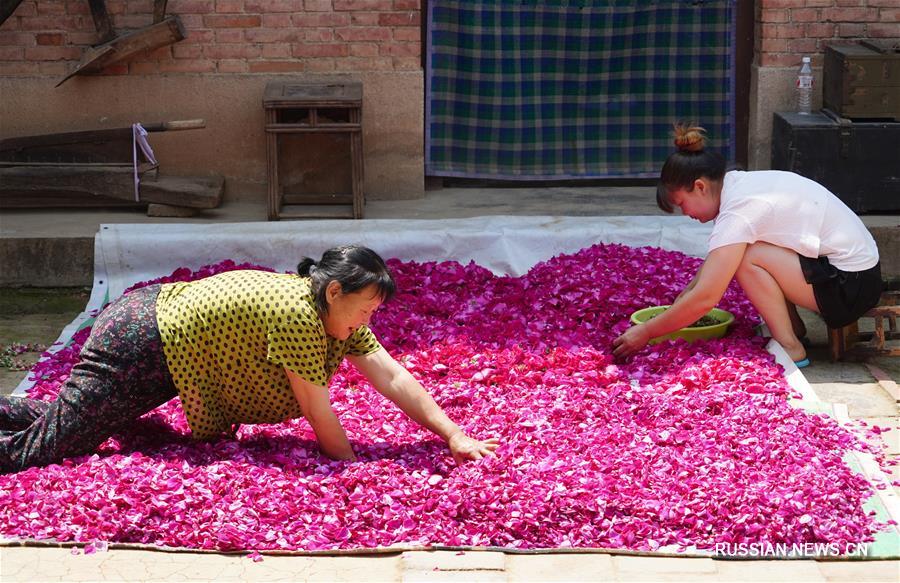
(37, 316)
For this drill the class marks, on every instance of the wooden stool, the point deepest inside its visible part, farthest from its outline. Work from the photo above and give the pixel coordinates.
(850, 342)
(294, 107)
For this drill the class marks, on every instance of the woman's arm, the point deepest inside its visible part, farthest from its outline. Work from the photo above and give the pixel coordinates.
(396, 383)
(316, 407)
(697, 300)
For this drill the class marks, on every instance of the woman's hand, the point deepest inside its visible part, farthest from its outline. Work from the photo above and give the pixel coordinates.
(465, 448)
(631, 341)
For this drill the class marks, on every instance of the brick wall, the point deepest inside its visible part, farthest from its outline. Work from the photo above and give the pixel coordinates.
(47, 37)
(788, 29)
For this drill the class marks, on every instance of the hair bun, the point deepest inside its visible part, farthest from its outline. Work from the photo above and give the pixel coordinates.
(689, 138)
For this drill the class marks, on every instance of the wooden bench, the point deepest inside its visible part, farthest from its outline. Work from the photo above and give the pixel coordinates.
(849, 342)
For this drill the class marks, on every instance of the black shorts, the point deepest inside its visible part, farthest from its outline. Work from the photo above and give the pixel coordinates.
(842, 296)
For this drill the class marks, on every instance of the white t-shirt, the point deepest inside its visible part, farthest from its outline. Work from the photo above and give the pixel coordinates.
(788, 210)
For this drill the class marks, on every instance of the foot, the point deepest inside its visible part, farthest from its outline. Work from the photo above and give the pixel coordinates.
(795, 350)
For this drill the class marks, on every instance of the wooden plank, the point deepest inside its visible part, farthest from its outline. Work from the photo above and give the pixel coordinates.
(7, 7)
(125, 47)
(101, 20)
(19, 184)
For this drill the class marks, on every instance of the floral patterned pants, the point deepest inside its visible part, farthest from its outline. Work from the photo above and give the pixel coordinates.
(121, 374)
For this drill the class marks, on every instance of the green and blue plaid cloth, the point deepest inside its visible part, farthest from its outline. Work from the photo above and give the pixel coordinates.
(547, 90)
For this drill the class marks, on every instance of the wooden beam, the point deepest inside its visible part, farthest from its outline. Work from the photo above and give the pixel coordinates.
(123, 48)
(7, 7)
(101, 20)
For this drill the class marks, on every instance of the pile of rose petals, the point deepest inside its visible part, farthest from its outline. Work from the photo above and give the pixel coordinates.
(683, 445)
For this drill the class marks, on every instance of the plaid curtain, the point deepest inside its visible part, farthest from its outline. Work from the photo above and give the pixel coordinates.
(574, 89)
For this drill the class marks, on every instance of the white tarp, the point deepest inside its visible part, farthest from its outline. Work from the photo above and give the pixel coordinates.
(129, 253)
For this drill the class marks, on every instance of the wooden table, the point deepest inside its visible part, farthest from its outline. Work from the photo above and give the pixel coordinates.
(296, 107)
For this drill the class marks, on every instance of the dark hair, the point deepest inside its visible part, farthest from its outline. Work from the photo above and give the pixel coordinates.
(690, 162)
(353, 267)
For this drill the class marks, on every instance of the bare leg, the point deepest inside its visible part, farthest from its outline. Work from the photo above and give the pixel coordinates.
(796, 321)
(772, 279)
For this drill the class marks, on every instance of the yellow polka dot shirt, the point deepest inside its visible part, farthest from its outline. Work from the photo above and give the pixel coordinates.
(227, 339)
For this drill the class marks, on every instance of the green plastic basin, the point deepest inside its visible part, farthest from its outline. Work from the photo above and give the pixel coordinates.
(724, 317)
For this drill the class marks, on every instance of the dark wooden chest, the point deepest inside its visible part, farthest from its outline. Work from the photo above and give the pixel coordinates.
(857, 161)
(862, 81)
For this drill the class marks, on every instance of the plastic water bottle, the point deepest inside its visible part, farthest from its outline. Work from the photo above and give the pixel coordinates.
(804, 87)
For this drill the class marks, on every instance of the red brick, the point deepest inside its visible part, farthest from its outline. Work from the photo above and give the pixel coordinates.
(402, 50)
(116, 7)
(140, 6)
(131, 21)
(190, 7)
(366, 64)
(820, 3)
(273, 35)
(198, 37)
(50, 23)
(232, 66)
(779, 60)
(320, 50)
(775, 15)
(277, 21)
(192, 22)
(229, 6)
(50, 7)
(276, 51)
(399, 19)
(407, 5)
(804, 46)
(50, 38)
(119, 69)
(158, 54)
(364, 18)
(230, 35)
(16, 38)
(27, 9)
(182, 51)
(228, 21)
(276, 66)
(318, 35)
(850, 14)
(54, 68)
(764, 4)
(231, 51)
(144, 68)
(8, 53)
(82, 38)
(18, 68)
(822, 30)
(774, 45)
(380, 5)
(52, 53)
(789, 30)
(353, 34)
(407, 63)
(851, 30)
(884, 30)
(318, 6)
(187, 66)
(889, 15)
(407, 33)
(321, 19)
(363, 50)
(850, 2)
(270, 6)
(77, 8)
(320, 64)
(805, 15)
(887, 3)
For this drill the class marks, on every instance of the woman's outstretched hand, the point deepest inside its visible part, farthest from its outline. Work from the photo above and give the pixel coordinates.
(465, 448)
(631, 341)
